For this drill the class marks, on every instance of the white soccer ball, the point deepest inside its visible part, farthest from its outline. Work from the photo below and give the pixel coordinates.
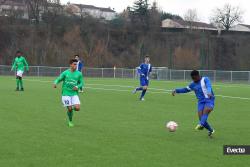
(171, 126)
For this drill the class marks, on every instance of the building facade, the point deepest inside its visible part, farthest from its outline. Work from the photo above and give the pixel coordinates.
(241, 27)
(14, 8)
(96, 12)
(182, 24)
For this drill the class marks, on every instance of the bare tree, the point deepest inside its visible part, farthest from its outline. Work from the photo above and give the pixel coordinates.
(52, 9)
(227, 16)
(35, 8)
(191, 16)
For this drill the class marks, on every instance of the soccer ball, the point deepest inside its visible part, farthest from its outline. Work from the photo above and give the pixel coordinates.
(171, 126)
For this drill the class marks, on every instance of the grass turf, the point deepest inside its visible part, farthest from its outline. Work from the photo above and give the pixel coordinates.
(114, 129)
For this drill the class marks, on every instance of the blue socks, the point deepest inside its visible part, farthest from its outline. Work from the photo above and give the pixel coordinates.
(139, 89)
(143, 93)
(203, 119)
(208, 127)
(204, 123)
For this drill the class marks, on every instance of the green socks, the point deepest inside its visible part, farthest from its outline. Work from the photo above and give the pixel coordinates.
(21, 83)
(17, 83)
(70, 115)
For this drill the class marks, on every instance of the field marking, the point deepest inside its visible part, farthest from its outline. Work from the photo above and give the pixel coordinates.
(235, 85)
(231, 86)
(153, 92)
(233, 97)
(119, 90)
(214, 85)
(166, 92)
(120, 86)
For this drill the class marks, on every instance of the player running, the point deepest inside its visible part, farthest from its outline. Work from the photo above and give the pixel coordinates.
(144, 72)
(72, 81)
(19, 64)
(204, 93)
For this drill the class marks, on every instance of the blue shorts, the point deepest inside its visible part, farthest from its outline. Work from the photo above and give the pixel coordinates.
(205, 104)
(144, 81)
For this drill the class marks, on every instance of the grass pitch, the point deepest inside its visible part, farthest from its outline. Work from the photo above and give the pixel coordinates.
(115, 129)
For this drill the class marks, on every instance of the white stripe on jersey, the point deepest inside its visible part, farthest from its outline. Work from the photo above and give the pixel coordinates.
(203, 87)
(78, 65)
(149, 66)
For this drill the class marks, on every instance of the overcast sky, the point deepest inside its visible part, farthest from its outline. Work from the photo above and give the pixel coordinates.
(204, 7)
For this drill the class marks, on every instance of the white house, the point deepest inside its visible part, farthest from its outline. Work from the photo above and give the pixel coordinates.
(182, 24)
(16, 8)
(241, 27)
(97, 12)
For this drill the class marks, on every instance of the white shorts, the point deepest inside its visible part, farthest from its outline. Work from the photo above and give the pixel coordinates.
(19, 73)
(70, 100)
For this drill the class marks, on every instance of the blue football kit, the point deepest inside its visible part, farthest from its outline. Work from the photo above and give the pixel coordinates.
(205, 95)
(79, 66)
(201, 89)
(144, 71)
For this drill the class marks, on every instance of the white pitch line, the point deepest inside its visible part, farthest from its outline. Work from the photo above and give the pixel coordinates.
(231, 86)
(119, 90)
(233, 97)
(214, 85)
(166, 91)
(122, 86)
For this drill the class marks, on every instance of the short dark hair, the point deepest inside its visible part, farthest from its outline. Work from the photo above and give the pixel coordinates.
(76, 55)
(195, 73)
(19, 52)
(71, 61)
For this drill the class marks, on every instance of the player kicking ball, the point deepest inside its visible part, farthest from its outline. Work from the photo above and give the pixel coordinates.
(19, 64)
(204, 93)
(144, 72)
(72, 81)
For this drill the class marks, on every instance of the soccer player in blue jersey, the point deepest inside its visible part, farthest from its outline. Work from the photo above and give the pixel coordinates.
(144, 72)
(79, 68)
(204, 93)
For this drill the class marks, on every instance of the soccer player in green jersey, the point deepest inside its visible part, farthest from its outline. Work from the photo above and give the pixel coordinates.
(72, 81)
(18, 65)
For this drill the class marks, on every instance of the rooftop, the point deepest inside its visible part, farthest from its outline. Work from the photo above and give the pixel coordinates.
(245, 25)
(12, 2)
(195, 24)
(82, 6)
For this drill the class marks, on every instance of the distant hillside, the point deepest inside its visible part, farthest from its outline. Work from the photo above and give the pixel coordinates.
(103, 45)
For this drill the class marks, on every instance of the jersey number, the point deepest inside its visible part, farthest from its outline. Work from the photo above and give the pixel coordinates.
(66, 102)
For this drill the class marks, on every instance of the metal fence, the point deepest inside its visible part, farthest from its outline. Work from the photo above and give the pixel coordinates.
(162, 73)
